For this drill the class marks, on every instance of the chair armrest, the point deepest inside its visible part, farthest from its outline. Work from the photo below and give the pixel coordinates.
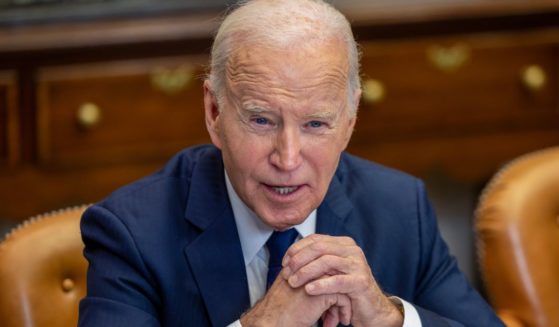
(510, 319)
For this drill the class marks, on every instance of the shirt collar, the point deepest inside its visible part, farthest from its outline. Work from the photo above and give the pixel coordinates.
(253, 232)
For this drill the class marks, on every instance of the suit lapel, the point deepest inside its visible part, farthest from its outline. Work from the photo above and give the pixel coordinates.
(218, 266)
(215, 256)
(333, 212)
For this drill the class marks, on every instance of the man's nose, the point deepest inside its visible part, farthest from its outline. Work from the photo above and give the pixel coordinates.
(287, 150)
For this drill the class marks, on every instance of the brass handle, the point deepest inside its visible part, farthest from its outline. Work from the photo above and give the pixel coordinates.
(373, 91)
(172, 81)
(68, 285)
(534, 78)
(88, 115)
(448, 59)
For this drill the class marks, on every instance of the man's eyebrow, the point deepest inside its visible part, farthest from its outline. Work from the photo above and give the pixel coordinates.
(253, 109)
(325, 115)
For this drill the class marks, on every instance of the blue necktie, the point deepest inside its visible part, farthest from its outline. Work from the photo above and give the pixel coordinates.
(278, 244)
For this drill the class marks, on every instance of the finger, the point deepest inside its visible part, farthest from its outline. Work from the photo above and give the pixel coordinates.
(342, 306)
(323, 317)
(343, 284)
(313, 238)
(331, 317)
(344, 309)
(345, 315)
(317, 249)
(325, 265)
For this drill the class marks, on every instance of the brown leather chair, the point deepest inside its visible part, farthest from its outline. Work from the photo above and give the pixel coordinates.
(43, 271)
(517, 227)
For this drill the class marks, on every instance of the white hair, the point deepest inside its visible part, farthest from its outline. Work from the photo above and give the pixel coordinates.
(280, 24)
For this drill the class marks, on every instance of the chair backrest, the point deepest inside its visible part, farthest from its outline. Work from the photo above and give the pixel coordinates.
(517, 227)
(43, 271)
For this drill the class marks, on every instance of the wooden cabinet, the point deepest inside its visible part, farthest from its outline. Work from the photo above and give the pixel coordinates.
(445, 101)
(86, 107)
(119, 112)
(457, 84)
(96, 126)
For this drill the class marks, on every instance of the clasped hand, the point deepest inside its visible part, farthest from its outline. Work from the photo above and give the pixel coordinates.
(328, 277)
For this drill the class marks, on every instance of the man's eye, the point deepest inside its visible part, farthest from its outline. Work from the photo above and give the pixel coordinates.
(261, 121)
(315, 124)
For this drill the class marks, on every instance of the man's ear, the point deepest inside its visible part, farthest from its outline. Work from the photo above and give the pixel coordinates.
(212, 114)
(357, 98)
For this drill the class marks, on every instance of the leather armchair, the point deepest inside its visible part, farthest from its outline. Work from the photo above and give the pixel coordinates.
(43, 271)
(517, 225)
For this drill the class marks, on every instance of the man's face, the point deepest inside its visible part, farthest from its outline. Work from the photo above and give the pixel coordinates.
(283, 124)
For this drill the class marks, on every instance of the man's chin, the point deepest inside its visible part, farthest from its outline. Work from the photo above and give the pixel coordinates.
(281, 222)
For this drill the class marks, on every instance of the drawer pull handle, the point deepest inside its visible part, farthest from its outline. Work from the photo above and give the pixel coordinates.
(88, 115)
(172, 81)
(448, 59)
(534, 78)
(373, 91)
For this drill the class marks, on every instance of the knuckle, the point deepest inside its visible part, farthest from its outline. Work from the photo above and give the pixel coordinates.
(356, 251)
(329, 300)
(333, 263)
(361, 282)
(340, 280)
(342, 299)
(295, 262)
(357, 256)
(328, 266)
(329, 259)
(313, 237)
(355, 262)
(292, 249)
(304, 271)
(359, 252)
(319, 246)
(348, 240)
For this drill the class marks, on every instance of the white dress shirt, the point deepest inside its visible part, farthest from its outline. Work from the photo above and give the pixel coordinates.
(254, 233)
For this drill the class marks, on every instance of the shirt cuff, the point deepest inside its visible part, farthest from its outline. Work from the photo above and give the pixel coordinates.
(411, 317)
(235, 324)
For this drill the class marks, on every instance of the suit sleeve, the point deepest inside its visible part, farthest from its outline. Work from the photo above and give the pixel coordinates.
(120, 290)
(443, 296)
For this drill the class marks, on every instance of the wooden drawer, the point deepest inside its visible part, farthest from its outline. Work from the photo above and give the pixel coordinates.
(8, 119)
(131, 111)
(458, 86)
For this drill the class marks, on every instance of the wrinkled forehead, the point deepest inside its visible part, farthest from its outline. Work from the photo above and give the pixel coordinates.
(297, 65)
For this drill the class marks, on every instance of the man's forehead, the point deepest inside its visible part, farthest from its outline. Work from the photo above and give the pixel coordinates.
(327, 61)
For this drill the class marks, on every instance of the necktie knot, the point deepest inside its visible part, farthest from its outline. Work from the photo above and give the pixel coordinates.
(277, 245)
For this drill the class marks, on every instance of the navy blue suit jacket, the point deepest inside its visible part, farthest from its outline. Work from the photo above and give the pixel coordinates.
(164, 251)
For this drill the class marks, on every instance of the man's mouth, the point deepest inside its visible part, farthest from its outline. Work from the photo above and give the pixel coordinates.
(285, 190)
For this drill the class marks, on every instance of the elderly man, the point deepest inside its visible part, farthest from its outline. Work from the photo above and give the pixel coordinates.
(274, 225)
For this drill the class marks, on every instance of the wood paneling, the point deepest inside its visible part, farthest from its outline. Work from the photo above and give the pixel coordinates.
(9, 122)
